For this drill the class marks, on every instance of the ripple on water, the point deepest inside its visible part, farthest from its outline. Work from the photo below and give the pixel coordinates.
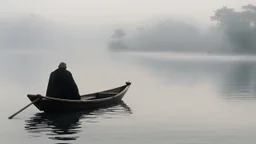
(66, 127)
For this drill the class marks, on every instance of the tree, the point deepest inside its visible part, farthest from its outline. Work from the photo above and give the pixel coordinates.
(118, 33)
(239, 26)
(117, 40)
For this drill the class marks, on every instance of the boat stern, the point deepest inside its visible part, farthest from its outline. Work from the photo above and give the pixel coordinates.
(33, 97)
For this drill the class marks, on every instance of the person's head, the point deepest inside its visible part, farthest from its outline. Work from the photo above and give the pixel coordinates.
(62, 65)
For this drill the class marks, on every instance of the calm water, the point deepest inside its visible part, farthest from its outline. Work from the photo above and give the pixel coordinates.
(178, 99)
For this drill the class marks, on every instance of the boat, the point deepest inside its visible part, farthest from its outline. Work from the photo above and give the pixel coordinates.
(88, 102)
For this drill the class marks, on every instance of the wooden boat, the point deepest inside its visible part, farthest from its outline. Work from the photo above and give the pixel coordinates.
(87, 102)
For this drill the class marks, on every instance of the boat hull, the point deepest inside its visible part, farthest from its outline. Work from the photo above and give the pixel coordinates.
(87, 102)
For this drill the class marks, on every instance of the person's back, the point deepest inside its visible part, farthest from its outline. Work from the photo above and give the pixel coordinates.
(62, 85)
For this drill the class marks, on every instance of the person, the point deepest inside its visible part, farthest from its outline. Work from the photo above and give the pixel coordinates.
(62, 85)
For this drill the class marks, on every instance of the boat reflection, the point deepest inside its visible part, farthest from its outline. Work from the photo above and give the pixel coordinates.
(66, 127)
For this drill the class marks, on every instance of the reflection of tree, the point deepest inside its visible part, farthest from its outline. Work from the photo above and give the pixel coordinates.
(240, 82)
(183, 71)
(66, 127)
(234, 80)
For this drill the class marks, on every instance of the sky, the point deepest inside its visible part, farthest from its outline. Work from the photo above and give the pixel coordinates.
(30, 24)
(114, 11)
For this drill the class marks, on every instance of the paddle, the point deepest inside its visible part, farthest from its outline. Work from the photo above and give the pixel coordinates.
(10, 117)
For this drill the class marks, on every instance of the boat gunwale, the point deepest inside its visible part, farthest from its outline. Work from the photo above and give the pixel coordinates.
(45, 98)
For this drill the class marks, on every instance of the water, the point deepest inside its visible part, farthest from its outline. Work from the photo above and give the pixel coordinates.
(174, 98)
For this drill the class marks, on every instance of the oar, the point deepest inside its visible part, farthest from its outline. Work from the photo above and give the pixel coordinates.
(10, 117)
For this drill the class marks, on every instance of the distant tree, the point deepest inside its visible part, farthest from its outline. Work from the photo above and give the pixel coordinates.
(118, 33)
(117, 40)
(239, 26)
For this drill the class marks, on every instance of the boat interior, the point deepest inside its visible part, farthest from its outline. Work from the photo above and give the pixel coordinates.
(103, 94)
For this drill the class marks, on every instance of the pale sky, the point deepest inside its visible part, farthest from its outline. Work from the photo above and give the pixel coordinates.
(111, 11)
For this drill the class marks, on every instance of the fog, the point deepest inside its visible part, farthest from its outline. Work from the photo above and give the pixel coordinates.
(35, 32)
(163, 25)
(232, 32)
(114, 11)
(183, 93)
(172, 35)
(66, 33)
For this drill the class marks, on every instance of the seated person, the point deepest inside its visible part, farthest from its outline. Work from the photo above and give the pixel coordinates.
(62, 85)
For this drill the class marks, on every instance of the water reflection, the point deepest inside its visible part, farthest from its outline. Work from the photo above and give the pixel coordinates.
(240, 82)
(233, 79)
(66, 127)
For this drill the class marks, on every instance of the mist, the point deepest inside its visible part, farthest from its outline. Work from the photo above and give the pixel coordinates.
(175, 95)
(231, 32)
(34, 32)
(32, 45)
(171, 35)
(228, 30)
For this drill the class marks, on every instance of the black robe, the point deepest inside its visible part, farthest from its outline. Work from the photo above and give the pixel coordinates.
(62, 85)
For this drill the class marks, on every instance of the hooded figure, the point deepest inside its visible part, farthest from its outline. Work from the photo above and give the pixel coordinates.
(62, 85)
